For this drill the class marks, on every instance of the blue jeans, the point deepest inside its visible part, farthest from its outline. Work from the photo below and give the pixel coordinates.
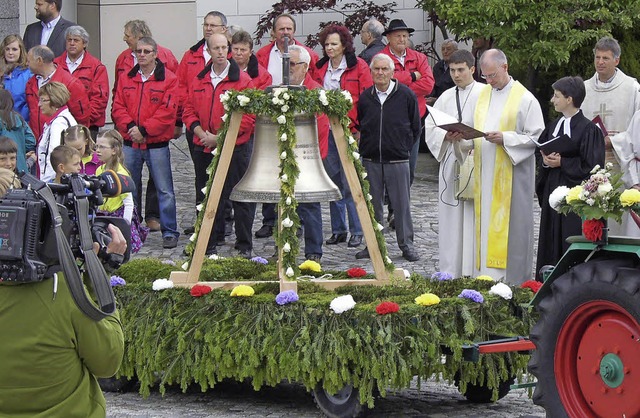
(159, 164)
(311, 216)
(344, 207)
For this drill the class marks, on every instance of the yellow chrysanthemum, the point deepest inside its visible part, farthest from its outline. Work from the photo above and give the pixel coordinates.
(630, 197)
(574, 194)
(242, 290)
(310, 265)
(485, 277)
(427, 299)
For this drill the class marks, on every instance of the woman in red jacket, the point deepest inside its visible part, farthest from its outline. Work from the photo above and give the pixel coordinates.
(340, 69)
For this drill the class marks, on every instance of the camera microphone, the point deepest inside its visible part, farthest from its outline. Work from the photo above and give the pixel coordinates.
(114, 184)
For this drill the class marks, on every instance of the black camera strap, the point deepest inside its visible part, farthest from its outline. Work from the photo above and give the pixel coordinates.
(99, 279)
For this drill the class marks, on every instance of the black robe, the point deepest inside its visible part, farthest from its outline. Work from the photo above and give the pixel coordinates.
(576, 164)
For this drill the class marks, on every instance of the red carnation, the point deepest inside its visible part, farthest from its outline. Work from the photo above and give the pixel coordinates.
(199, 290)
(387, 308)
(531, 284)
(592, 229)
(356, 272)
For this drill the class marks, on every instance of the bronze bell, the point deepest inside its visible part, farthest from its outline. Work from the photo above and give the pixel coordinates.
(261, 182)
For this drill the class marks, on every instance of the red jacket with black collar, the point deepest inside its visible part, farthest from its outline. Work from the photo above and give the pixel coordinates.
(78, 104)
(355, 79)
(259, 74)
(191, 64)
(124, 63)
(414, 61)
(149, 105)
(93, 76)
(204, 108)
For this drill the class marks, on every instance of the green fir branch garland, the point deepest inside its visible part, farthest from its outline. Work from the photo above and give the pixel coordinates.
(282, 105)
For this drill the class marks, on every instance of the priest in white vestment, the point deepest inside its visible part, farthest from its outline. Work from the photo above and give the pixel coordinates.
(510, 116)
(615, 97)
(455, 217)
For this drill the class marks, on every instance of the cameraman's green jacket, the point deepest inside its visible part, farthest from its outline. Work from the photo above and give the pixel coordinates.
(51, 353)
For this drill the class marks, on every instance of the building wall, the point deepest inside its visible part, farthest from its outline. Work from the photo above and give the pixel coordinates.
(9, 17)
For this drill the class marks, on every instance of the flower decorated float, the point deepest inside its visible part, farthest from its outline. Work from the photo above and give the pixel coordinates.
(345, 335)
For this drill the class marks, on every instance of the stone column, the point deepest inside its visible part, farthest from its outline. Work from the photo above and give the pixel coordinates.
(9, 17)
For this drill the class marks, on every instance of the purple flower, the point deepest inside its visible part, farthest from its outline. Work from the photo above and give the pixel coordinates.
(442, 276)
(259, 260)
(473, 295)
(117, 281)
(287, 296)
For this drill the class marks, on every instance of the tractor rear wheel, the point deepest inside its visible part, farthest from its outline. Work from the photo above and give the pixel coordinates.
(587, 357)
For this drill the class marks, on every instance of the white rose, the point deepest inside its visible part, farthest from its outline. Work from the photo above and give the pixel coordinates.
(224, 117)
(590, 202)
(192, 237)
(286, 96)
(284, 178)
(369, 197)
(558, 196)
(364, 175)
(282, 119)
(289, 272)
(387, 260)
(275, 100)
(283, 137)
(502, 290)
(356, 155)
(162, 284)
(379, 227)
(347, 96)
(287, 223)
(199, 207)
(284, 108)
(342, 304)
(243, 100)
(185, 266)
(283, 155)
(204, 190)
(214, 152)
(351, 139)
(287, 200)
(286, 247)
(604, 188)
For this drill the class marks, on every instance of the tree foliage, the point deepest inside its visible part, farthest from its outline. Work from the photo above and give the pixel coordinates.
(355, 14)
(536, 34)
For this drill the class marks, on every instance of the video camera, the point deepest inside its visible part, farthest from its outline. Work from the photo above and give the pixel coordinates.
(46, 228)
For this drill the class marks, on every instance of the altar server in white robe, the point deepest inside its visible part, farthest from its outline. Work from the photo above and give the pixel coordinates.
(615, 97)
(510, 117)
(455, 217)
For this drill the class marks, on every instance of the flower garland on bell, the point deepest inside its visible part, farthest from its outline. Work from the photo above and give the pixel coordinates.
(281, 104)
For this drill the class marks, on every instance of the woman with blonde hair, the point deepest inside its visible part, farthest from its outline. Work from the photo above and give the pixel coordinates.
(15, 72)
(53, 102)
(79, 137)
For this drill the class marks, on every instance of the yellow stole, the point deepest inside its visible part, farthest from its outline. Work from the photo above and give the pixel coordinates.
(498, 234)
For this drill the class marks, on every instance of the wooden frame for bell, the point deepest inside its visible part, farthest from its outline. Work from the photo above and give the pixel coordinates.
(190, 278)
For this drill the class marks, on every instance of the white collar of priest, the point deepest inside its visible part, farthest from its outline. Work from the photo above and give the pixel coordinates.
(564, 123)
(606, 82)
(468, 86)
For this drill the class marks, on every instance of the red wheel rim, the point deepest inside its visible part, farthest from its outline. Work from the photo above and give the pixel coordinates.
(590, 332)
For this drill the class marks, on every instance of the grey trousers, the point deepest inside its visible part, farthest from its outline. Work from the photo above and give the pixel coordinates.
(396, 177)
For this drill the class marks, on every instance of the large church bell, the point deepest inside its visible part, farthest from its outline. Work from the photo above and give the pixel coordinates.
(261, 182)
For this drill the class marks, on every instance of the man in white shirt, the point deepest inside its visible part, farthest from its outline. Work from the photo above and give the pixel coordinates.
(455, 216)
(49, 30)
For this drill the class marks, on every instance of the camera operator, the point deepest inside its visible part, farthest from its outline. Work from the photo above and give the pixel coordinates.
(51, 351)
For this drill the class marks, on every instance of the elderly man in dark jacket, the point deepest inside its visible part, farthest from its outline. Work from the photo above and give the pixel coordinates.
(389, 124)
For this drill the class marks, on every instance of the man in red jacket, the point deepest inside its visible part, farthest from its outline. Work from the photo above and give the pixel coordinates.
(310, 213)
(40, 59)
(134, 30)
(193, 61)
(144, 112)
(86, 68)
(270, 57)
(202, 114)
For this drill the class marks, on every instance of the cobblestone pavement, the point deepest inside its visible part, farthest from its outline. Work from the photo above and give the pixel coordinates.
(433, 399)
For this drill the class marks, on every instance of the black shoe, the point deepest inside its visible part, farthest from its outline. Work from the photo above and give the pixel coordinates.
(391, 221)
(299, 232)
(264, 232)
(189, 230)
(355, 241)
(362, 254)
(336, 238)
(211, 250)
(410, 255)
(228, 228)
(245, 254)
(313, 257)
(169, 241)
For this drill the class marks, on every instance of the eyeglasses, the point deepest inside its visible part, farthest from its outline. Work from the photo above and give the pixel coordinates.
(211, 26)
(490, 76)
(145, 51)
(44, 100)
(293, 64)
(104, 147)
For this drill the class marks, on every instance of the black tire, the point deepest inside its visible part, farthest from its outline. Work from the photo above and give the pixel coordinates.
(117, 384)
(591, 312)
(344, 404)
(482, 393)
